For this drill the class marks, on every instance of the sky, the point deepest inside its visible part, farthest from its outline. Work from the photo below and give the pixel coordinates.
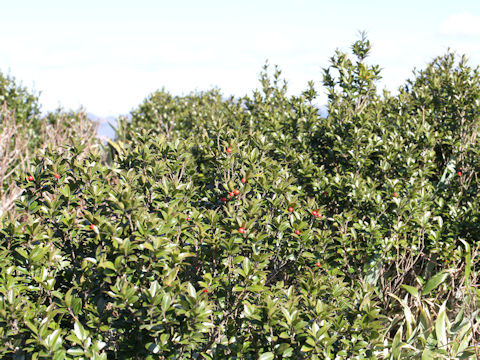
(108, 56)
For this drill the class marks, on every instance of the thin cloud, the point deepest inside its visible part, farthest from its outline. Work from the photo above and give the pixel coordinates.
(464, 24)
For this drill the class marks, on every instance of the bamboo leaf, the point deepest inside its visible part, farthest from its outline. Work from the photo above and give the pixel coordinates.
(434, 282)
(411, 290)
(441, 327)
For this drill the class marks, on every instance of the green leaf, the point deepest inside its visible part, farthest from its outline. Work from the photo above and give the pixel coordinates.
(409, 319)
(75, 351)
(22, 253)
(266, 356)
(117, 145)
(108, 265)
(65, 191)
(411, 290)
(79, 331)
(397, 344)
(76, 305)
(434, 282)
(154, 288)
(166, 301)
(468, 260)
(153, 348)
(428, 355)
(256, 288)
(191, 290)
(306, 348)
(53, 341)
(31, 326)
(440, 327)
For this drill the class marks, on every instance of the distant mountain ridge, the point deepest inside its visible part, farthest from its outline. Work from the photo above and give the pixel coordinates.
(104, 128)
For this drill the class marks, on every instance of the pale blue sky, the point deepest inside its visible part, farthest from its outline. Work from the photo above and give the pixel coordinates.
(109, 55)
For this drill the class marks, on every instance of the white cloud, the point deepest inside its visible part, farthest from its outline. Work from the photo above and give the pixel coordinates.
(463, 24)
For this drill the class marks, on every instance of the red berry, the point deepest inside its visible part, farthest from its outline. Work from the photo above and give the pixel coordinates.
(30, 178)
(224, 199)
(319, 215)
(326, 192)
(232, 194)
(395, 194)
(314, 213)
(318, 264)
(236, 192)
(56, 176)
(290, 209)
(92, 226)
(459, 173)
(243, 180)
(205, 291)
(188, 218)
(229, 150)
(297, 232)
(241, 230)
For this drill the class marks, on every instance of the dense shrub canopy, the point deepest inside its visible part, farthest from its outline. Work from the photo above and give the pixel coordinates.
(254, 228)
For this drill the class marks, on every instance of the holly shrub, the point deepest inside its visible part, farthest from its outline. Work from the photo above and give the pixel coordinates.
(254, 228)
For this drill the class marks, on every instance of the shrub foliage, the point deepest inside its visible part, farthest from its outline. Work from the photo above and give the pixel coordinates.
(254, 228)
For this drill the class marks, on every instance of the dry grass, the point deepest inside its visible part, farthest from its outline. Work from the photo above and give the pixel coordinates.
(66, 128)
(15, 154)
